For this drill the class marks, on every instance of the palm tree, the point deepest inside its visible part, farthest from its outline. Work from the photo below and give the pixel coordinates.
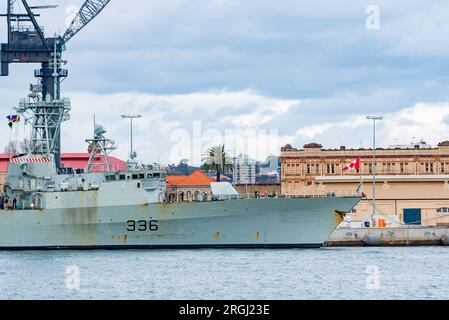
(216, 159)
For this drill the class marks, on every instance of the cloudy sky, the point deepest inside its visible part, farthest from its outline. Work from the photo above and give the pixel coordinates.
(253, 73)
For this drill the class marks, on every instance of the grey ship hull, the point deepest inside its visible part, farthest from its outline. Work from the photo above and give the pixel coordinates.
(253, 223)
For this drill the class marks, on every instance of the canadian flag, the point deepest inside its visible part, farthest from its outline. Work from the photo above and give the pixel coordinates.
(354, 165)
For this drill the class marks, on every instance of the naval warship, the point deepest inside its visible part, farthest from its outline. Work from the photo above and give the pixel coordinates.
(127, 209)
(46, 206)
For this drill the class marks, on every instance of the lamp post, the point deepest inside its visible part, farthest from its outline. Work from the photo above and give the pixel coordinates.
(374, 119)
(132, 154)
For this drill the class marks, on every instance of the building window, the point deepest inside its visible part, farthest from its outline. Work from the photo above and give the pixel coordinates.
(429, 167)
(404, 167)
(309, 169)
(298, 169)
(443, 211)
(389, 167)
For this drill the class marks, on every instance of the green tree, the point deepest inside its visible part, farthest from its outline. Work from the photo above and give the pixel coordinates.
(216, 160)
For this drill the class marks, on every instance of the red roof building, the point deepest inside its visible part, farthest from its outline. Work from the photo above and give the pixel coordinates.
(69, 160)
(80, 160)
(196, 179)
(195, 187)
(4, 160)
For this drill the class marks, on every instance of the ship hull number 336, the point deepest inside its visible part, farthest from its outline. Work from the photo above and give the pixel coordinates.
(142, 225)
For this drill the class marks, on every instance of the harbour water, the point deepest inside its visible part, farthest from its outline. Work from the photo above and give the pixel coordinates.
(328, 273)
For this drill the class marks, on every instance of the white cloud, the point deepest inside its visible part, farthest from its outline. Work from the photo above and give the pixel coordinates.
(419, 32)
(427, 121)
(164, 114)
(233, 117)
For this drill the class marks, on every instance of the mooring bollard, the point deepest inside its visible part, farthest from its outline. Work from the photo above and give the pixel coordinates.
(445, 240)
(371, 240)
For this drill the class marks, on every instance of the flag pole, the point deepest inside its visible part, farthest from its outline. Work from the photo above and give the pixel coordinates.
(374, 119)
(360, 171)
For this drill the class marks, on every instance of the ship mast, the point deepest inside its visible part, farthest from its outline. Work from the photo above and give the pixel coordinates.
(99, 148)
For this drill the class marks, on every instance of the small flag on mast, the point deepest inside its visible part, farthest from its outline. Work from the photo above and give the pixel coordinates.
(354, 165)
(13, 119)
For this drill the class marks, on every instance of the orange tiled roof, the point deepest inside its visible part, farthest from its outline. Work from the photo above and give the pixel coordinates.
(196, 179)
(174, 180)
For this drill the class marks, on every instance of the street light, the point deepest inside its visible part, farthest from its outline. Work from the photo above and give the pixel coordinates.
(374, 118)
(132, 154)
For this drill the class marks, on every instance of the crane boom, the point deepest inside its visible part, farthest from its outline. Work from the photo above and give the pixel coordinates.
(89, 10)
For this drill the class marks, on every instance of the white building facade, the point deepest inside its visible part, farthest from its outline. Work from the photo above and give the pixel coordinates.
(244, 170)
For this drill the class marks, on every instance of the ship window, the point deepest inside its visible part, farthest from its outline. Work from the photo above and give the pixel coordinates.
(149, 176)
(135, 177)
(122, 177)
(141, 176)
(157, 175)
(128, 177)
(138, 185)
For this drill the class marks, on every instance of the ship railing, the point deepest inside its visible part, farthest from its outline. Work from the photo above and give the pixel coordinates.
(334, 194)
(341, 194)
